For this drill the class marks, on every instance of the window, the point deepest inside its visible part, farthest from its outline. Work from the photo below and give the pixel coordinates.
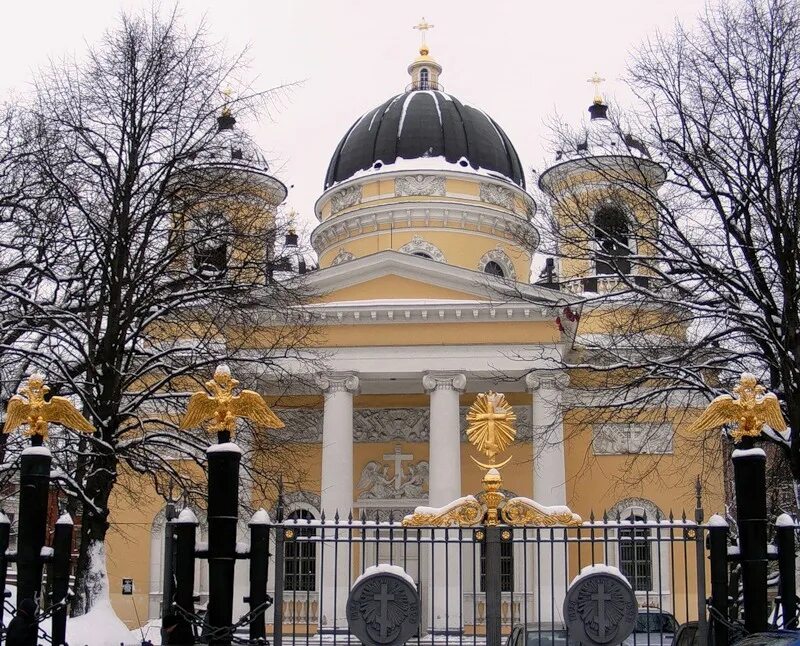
(424, 79)
(494, 269)
(613, 245)
(506, 567)
(300, 561)
(635, 554)
(422, 254)
(211, 235)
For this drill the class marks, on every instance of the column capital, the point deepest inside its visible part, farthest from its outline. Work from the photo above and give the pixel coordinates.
(444, 381)
(337, 382)
(546, 380)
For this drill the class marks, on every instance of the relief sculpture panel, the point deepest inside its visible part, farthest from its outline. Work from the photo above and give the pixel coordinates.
(382, 424)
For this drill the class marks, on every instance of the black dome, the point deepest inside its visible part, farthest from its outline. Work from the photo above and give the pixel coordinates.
(425, 123)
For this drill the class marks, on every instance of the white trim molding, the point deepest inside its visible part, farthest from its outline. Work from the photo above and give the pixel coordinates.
(419, 245)
(501, 258)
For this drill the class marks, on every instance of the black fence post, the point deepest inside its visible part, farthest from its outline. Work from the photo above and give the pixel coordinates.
(223, 517)
(700, 562)
(169, 559)
(749, 475)
(718, 554)
(5, 533)
(280, 550)
(34, 490)
(784, 539)
(185, 530)
(259, 566)
(493, 585)
(62, 550)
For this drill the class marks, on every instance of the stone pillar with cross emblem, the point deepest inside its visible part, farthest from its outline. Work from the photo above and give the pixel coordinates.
(444, 487)
(336, 494)
(549, 488)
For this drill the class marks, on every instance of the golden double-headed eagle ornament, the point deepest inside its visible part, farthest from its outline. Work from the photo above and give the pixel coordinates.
(29, 407)
(491, 426)
(220, 406)
(750, 407)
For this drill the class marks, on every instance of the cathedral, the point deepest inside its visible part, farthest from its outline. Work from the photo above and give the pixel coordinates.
(423, 299)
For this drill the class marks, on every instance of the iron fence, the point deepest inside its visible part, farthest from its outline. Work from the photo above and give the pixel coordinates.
(315, 563)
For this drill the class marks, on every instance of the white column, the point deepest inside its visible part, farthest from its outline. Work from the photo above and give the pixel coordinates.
(444, 486)
(336, 495)
(549, 488)
(444, 481)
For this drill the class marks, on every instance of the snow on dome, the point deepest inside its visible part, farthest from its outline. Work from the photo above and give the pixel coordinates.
(222, 370)
(422, 124)
(232, 146)
(603, 137)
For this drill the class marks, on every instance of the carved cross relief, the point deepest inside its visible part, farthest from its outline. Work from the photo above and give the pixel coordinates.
(376, 482)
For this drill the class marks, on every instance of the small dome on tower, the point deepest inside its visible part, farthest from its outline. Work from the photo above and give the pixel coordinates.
(232, 146)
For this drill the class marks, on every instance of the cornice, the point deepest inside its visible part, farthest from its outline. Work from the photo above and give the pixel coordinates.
(418, 215)
(447, 173)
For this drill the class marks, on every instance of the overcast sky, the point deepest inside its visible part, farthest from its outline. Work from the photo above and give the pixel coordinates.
(519, 61)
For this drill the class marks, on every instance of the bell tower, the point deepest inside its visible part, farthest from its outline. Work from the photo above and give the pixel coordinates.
(601, 191)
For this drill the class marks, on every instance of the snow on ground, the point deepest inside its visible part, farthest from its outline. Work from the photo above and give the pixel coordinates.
(100, 627)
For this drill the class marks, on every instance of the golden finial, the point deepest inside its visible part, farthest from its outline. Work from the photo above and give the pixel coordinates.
(29, 407)
(423, 26)
(227, 93)
(223, 407)
(597, 80)
(491, 426)
(749, 410)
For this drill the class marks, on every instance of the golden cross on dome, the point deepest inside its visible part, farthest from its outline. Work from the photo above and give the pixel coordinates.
(596, 80)
(423, 26)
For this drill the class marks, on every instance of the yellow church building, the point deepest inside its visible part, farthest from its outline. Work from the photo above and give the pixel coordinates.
(424, 299)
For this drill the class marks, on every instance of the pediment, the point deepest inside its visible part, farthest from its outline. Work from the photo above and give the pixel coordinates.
(390, 275)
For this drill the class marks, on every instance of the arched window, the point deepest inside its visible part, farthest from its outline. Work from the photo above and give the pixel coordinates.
(211, 237)
(494, 269)
(611, 233)
(424, 79)
(635, 553)
(300, 560)
(422, 254)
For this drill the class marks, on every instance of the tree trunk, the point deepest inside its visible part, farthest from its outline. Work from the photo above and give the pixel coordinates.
(90, 575)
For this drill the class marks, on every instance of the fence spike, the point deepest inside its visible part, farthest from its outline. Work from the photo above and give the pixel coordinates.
(683, 515)
(363, 517)
(377, 517)
(350, 516)
(336, 517)
(391, 516)
(671, 516)
(644, 515)
(591, 516)
(322, 516)
(658, 515)
(605, 516)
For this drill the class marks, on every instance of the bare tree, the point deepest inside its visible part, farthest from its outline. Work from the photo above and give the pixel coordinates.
(163, 258)
(682, 242)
